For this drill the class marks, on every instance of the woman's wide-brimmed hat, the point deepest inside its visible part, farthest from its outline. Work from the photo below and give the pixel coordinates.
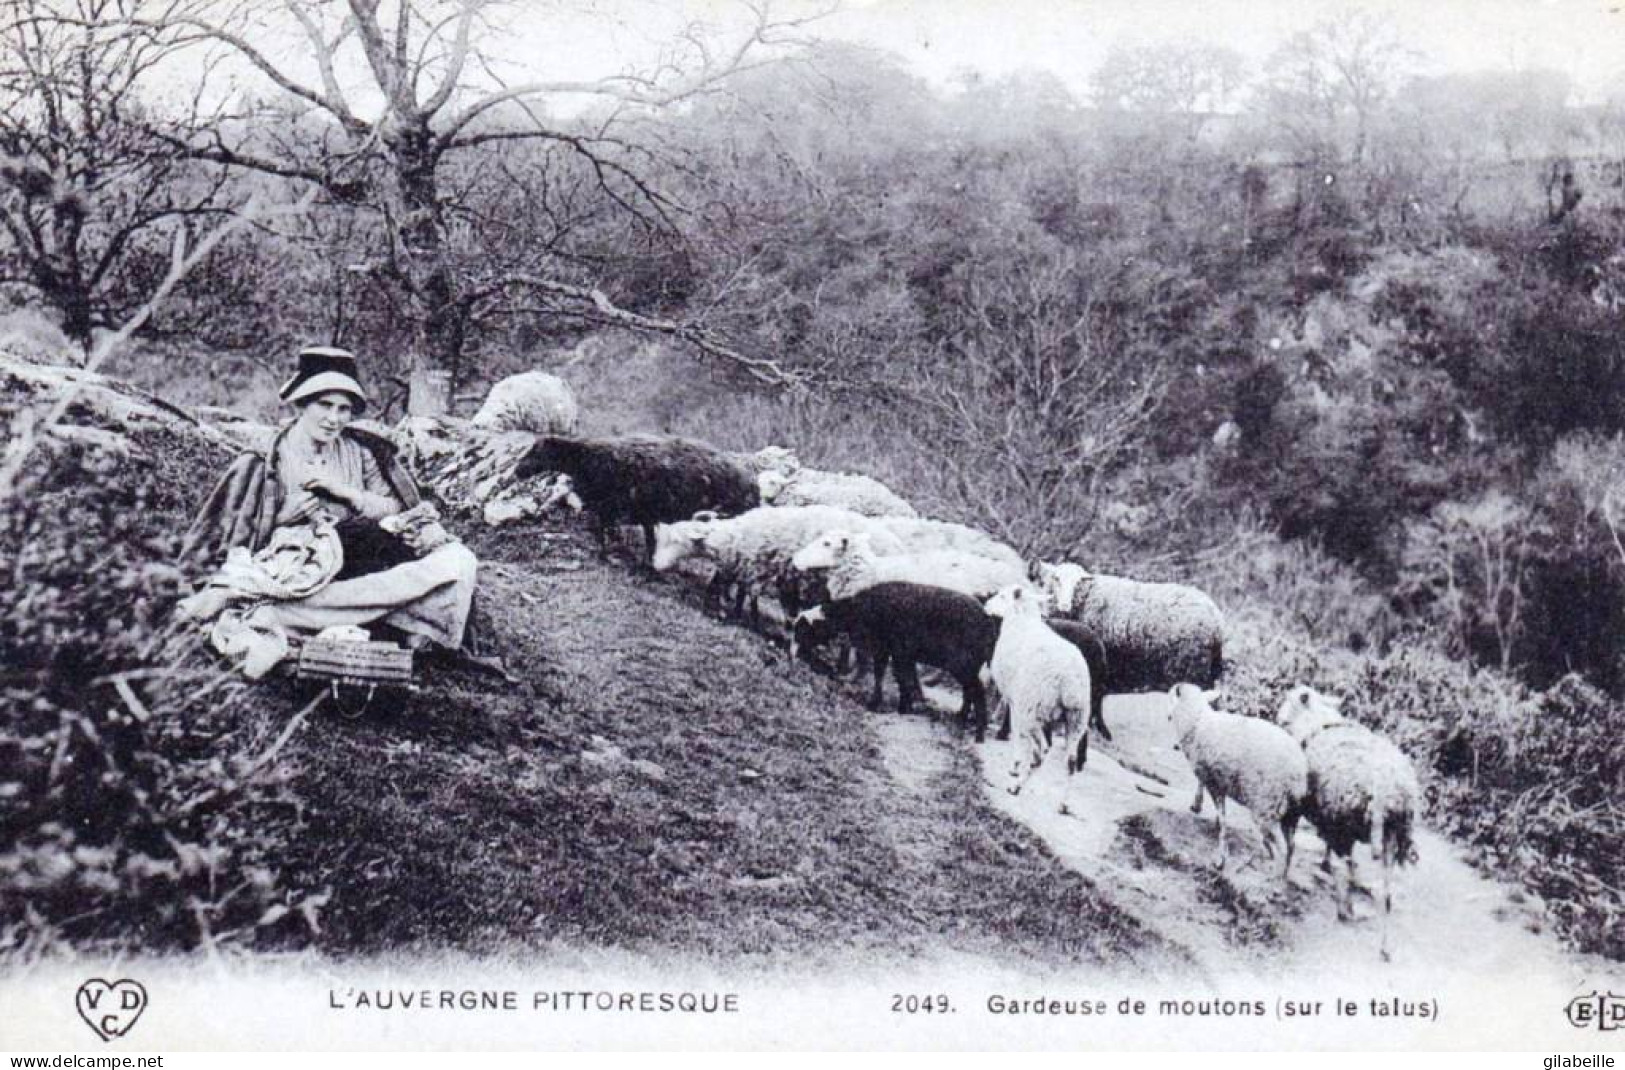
(323, 369)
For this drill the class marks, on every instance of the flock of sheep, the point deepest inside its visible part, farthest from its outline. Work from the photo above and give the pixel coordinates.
(848, 558)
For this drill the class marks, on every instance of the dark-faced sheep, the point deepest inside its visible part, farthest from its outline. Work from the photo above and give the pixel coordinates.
(644, 480)
(754, 550)
(908, 624)
(1362, 788)
(1151, 636)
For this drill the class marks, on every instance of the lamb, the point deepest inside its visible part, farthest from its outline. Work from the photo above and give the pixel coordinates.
(755, 549)
(854, 565)
(643, 479)
(1153, 635)
(767, 459)
(1044, 681)
(905, 624)
(1361, 788)
(533, 401)
(923, 536)
(809, 486)
(1242, 758)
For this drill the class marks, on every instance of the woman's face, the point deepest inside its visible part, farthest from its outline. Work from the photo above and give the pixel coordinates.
(325, 415)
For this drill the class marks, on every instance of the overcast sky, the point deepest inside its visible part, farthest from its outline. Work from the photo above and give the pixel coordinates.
(569, 39)
(1583, 38)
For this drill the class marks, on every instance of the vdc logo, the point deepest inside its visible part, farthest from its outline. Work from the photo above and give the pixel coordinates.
(1600, 1010)
(111, 1007)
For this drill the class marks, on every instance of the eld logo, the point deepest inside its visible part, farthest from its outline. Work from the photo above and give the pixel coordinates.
(1602, 1010)
(111, 1008)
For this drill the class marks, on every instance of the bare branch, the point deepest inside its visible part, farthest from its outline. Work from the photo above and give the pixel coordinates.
(599, 308)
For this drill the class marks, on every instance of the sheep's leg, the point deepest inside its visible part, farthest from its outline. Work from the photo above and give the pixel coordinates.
(649, 547)
(1083, 750)
(1004, 719)
(1289, 829)
(1196, 807)
(1224, 843)
(1097, 718)
(908, 685)
(1345, 900)
(974, 707)
(881, 657)
(1387, 907)
(1387, 863)
(1036, 744)
(1355, 884)
(1066, 753)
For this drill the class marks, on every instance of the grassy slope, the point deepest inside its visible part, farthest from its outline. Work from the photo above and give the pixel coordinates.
(658, 780)
(487, 813)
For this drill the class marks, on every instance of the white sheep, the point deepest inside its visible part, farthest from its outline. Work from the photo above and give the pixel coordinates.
(854, 566)
(1044, 681)
(1154, 635)
(809, 486)
(534, 401)
(924, 536)
(755, 548)
(1361, 788)
(1242, 758)
(768, 459)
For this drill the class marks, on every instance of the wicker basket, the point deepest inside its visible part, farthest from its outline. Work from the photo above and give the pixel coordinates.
(367, 664)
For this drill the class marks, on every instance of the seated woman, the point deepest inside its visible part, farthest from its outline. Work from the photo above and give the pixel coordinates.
(324, 475)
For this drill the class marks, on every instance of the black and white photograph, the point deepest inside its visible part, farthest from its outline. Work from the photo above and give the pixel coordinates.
(833, 524)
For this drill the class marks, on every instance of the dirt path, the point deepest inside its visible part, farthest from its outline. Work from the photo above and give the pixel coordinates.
(1454, 931)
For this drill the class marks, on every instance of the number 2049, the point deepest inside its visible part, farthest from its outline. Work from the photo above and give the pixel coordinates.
(920, 1004)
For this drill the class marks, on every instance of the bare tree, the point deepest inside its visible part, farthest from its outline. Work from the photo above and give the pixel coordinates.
(85, 182)
(1186, 83)
(1326, 86)
(403, 88)
(1037, 400)
(1471, 560)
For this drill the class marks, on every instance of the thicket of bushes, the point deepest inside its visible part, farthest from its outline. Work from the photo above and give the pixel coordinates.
(144, 796)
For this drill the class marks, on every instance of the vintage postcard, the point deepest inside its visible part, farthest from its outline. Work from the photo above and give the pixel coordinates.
(697, 524)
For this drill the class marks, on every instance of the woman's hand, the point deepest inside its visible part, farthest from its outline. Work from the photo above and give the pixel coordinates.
(329, 488)
(298, 509)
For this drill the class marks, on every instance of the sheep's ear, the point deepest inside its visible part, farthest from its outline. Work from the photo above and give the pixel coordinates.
(705, 516)
(1035, 571)
(1211, 696)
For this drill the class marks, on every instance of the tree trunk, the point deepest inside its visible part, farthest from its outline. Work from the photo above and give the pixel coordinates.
(437, 312)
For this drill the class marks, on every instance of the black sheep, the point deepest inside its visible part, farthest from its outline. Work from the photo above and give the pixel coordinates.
(644, 480)
(904, 624)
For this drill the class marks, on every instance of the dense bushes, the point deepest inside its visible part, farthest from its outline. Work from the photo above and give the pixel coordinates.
(142, 788)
